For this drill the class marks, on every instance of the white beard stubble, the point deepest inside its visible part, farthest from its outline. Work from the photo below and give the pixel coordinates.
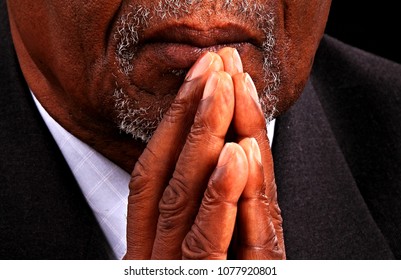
(135, 120)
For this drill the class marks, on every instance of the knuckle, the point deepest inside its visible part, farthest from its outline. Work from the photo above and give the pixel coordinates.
(140, 179)
(273, 249)
(178, 110)
(173, 204)
(276, 215)
(196, 245)
(200, 126)
(143, 176)
(218, 193)
(143, 166)
(212, 119)
(202, 135)
(269, 247)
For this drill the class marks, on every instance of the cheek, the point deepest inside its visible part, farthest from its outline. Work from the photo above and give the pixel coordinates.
(299, 34)
(303, 26)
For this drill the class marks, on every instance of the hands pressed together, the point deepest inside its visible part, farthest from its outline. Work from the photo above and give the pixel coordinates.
(193, 195)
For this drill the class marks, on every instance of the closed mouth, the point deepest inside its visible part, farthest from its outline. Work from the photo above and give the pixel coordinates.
(227, 34)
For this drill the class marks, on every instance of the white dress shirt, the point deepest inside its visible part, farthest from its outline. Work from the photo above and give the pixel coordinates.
(103, 183)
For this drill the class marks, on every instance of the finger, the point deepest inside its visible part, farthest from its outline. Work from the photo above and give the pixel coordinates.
(181, 199)
(249, 122)
(232, 65)
(210, 235)
(156, 164)
(257, 238)
(231, 59)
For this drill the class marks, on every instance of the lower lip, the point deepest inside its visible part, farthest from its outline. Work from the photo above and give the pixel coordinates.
(163, 65)
(182, 56)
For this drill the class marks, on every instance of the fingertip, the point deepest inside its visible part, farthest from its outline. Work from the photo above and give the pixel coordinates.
(208, 61)
(231, 59)
(232, 167)
(220, 82)
(251, 148)
(238, 77)
(249, 119)
(227, 154)
(200, 67)
(218, 64)
(255, 167)
(256, 150)
(237, 61)
(251, 88)
(224, 51)
(211, 85)
(231, 152)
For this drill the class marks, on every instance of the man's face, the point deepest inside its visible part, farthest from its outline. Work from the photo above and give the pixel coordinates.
(123, 62)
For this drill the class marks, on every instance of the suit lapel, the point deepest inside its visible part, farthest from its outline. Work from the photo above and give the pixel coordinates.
(325, 216)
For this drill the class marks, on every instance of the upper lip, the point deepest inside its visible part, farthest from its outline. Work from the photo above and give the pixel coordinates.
(206, 37)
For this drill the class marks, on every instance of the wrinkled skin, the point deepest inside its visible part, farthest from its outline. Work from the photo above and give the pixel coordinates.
(193, 195)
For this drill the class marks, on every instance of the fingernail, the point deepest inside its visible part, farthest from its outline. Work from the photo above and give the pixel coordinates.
(200, 67)
(237, 61)
(251, 87)
(225, 155)
(211, 85)
(256, 150)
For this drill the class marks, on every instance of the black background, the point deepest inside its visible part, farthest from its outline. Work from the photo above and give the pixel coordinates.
(370, 25)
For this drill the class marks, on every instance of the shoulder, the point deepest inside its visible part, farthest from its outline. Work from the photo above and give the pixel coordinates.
(356, 85)
(342, 65)
(361, 97)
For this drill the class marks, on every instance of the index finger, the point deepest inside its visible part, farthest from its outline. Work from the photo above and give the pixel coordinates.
(156, 164)
(182, 197)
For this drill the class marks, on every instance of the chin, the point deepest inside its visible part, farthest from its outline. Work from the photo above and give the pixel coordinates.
(150, 55)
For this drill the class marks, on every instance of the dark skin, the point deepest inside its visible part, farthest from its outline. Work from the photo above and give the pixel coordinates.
(192, 193)
(240, 188)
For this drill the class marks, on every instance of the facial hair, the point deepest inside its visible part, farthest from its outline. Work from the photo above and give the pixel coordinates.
(134, 119)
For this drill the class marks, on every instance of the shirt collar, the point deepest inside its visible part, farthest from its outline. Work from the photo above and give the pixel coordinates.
(103, 183)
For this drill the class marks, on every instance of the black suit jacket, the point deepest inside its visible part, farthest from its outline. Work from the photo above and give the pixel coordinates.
(337, 157)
